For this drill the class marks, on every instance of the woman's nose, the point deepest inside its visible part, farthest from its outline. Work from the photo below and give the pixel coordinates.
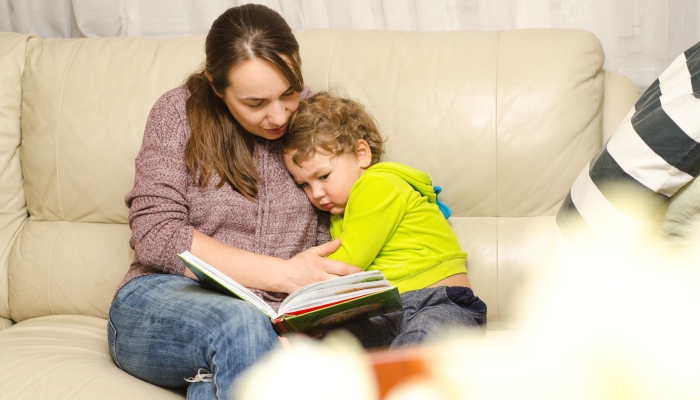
(277, 115)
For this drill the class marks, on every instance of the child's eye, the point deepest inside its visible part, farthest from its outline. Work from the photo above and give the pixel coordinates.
(303, 184)
(324, 177)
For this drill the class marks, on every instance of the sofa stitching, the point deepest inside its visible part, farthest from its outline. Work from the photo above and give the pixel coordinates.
(58, 129)
(598, 98)
(48, 275)
(330, 60)
(495, 127)
(16, 238)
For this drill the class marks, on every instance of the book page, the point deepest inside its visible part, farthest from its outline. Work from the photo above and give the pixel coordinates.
(313, 302)
(360, 277)
(225, 281)
(322, 294)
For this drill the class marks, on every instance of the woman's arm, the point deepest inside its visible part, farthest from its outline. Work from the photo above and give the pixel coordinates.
(158, 205)
(270, 273)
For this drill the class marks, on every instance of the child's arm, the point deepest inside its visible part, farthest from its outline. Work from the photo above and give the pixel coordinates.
(372, 214)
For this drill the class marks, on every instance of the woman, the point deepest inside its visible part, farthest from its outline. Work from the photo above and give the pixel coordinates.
(209, 179)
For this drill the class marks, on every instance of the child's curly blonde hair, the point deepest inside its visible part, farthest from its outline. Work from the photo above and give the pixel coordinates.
(331, 124)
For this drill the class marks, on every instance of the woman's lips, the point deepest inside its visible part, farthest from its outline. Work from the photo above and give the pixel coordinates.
(277, 131)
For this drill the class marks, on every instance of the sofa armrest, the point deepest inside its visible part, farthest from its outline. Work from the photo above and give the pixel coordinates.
(620, 95)
(13, 211)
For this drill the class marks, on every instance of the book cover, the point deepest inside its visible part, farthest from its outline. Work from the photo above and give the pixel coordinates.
(357, 308)
(320, 305)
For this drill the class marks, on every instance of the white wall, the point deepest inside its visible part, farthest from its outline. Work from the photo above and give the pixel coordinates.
(640, 37)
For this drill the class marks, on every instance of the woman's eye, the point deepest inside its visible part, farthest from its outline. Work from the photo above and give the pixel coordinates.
(257, 105)
(287, 94)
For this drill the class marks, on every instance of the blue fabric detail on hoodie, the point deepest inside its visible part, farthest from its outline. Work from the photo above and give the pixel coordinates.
(446, 212)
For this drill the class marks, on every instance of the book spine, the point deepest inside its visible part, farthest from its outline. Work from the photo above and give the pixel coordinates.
(281, 326)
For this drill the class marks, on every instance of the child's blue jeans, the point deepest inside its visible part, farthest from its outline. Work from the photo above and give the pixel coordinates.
(426, 312)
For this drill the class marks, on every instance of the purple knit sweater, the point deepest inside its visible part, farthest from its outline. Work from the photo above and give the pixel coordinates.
(165, 205)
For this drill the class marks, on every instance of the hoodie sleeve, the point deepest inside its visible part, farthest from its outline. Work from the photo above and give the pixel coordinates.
(374, 211)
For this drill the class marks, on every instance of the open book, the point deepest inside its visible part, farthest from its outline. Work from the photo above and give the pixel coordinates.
(319, 305)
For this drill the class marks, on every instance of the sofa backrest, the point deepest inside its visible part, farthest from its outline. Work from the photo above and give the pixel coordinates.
(84, 108)
(502, 120)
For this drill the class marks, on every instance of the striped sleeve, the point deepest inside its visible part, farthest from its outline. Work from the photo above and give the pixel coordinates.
(653, 153)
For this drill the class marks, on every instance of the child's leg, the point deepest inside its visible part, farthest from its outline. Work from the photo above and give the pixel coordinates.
(376, 332)
(432, 310)
(426, 312)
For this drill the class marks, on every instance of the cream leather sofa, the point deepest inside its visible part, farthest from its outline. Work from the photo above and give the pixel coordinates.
(504, 121)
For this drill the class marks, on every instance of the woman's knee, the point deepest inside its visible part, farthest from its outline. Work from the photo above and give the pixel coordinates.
(246, 325)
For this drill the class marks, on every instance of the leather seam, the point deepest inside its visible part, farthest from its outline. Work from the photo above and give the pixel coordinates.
(16, 238)
(58, 130)
(330, 60)
(495, 125)
(48, 275)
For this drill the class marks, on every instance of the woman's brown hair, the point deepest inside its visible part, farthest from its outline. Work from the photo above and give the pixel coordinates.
(218, 142)
(331, 124)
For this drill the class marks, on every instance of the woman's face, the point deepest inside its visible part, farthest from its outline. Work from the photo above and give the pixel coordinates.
(260, 98)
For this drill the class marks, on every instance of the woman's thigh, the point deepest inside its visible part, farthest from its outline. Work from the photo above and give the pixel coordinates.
(165, 328)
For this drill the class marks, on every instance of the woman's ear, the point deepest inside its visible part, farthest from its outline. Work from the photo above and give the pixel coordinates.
(364, 154)
(211, 83)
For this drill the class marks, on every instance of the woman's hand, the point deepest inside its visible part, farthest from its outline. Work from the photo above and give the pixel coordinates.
(311, 266)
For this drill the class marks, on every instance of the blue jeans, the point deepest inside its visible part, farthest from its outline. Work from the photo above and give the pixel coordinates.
(166, 328)
(426, 312)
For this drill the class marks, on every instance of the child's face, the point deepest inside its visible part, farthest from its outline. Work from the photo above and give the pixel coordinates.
(327, 179)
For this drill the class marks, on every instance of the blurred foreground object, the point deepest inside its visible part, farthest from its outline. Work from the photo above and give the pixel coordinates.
(335, 368)
(617, 323)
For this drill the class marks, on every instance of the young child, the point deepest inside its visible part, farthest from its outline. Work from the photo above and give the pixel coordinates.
(387, 218)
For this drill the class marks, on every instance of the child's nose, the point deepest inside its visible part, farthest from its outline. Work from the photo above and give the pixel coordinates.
(318, 192)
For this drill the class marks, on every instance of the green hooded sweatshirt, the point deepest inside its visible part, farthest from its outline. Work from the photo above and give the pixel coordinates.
(392, 224)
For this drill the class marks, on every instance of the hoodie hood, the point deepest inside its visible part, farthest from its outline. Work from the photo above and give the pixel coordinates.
(420, 180)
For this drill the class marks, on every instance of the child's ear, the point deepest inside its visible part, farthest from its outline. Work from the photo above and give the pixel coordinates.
(363, 153)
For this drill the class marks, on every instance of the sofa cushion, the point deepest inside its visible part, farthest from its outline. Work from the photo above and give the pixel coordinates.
(66, 357)
(85, 103)
(60, 267)
(649, 158)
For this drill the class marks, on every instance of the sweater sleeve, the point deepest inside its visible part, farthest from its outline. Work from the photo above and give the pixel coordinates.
(306, 93)
(323, 229)
(158, 207)
(374, 211)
